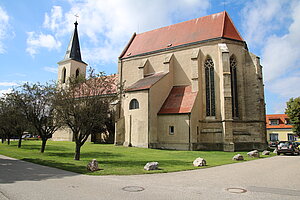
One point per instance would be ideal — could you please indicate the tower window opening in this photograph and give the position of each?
(77, 73)
(64, 71)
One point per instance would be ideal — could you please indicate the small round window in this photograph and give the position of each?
(134, 104)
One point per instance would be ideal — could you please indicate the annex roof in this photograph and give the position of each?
(282, 121)
(146, 83)
(180, 101)
(213, 26)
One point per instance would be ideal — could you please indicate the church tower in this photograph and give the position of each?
(72, 64)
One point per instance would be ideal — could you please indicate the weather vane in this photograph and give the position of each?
(77, 16)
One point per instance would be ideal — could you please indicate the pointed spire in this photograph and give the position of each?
(73, 51)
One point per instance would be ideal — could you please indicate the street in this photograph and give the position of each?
(271, 178)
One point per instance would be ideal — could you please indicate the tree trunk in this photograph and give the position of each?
(44, 140)
(20, 141)
(8, 140)
(3, 140)
(77, 152)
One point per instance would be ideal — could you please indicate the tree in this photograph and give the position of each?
(37, 102)
(4, 129)
(16, 118)
(84, 106)
(293, 112)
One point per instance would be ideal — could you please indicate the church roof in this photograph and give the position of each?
(100, 86)
(197, 30)
(146, 83)
(73, 51)
(180, 101)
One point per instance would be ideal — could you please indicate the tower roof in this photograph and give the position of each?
(73, 51)
(215, 26)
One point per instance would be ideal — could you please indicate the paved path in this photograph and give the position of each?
(271, 178)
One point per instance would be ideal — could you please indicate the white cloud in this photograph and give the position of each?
(51, 69)
(273, 27)
(3, 92)
(4, 28)
(8, 84)
(51, 21)
(280, 54)
(36, 41)
(261, 18)
(108, 25)
(286, 87)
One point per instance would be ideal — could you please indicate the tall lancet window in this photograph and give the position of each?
(210, 87)
(77, 73)
(234, 91)
(64, 71)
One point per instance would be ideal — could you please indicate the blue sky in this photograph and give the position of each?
(34, 35)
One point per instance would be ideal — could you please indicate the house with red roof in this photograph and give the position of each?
(191, 86)
(279, 128)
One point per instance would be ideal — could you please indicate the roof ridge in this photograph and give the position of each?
(223, 25)
(237, 31)
(179, 23)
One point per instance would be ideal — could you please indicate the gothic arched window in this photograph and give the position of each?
(134, 104)
(77, 73)
(64, 72)
(234, 91)
(210, 87)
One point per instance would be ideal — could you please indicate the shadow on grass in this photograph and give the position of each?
(91, 155)
(38, 147)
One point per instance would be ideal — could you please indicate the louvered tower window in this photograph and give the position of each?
(77, 73)
(64, 71)
(210, 87)
(234, 91)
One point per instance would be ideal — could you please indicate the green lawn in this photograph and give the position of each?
(114, 160)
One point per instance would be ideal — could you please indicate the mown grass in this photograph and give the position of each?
(114, 160)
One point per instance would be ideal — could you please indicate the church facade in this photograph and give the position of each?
(191, 86)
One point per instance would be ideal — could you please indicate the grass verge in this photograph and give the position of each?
(115, 160)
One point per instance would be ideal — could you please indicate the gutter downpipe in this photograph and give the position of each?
(189, 131)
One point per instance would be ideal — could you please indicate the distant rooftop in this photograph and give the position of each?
(283, 121)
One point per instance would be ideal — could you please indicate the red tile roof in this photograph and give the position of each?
(146, 83)
(281, 119)
(214, 26)
(180, 100)
(100, 86)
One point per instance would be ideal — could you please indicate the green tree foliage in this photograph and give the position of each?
(293, 112)
(4, 128)
(37, 102)
(13, 119)
(84, 106)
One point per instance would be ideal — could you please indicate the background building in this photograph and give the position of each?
(279, 128)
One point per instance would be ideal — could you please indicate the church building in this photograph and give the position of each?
(190, 86)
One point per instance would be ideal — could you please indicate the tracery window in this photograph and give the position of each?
(64, 71)
(210, 87)
(234, 91)
(134, 104)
